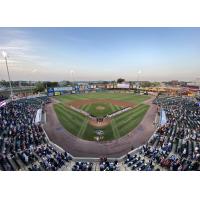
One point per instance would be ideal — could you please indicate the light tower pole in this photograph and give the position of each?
(138, 79)
(4, 54)
(72, 72)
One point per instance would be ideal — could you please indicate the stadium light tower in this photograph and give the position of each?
(72, 72)
(4, 54)
(138, 78)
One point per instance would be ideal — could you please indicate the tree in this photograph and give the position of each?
(155, 84)
(4, 83)
(149, 84)
(51, 84)
(39, 87)
(120, 80)
(64, 83)
(145, 84)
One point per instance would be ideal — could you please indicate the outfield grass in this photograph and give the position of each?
(71, 120)
(78, 125)
(127, 121)
(104, 95)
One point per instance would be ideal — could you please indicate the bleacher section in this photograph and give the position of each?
(175, 145)
(23, 144)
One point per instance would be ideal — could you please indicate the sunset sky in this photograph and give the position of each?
(101, 53)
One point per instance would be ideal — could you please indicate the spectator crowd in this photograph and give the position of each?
(174, 146)
(23, 144)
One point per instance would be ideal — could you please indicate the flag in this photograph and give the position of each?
(2, 103)
(163, 118)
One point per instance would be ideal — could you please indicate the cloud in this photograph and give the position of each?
(22, 52)
(34, 70)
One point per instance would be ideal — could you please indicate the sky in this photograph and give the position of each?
(74, 54)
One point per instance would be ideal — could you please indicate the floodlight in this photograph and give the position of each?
(4, 54)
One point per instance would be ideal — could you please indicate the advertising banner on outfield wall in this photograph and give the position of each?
(123, 85)
(92, 86)
(57, 93)
(62, 89)
(77, 87)
(87, 87)
(50, 92)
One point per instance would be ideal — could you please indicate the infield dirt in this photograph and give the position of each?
(79, 103)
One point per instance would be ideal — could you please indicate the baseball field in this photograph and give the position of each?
(100, 105)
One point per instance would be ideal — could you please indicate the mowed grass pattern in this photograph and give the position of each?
(78, 125)
(129, 120)
(103, 95)
(71, 120)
